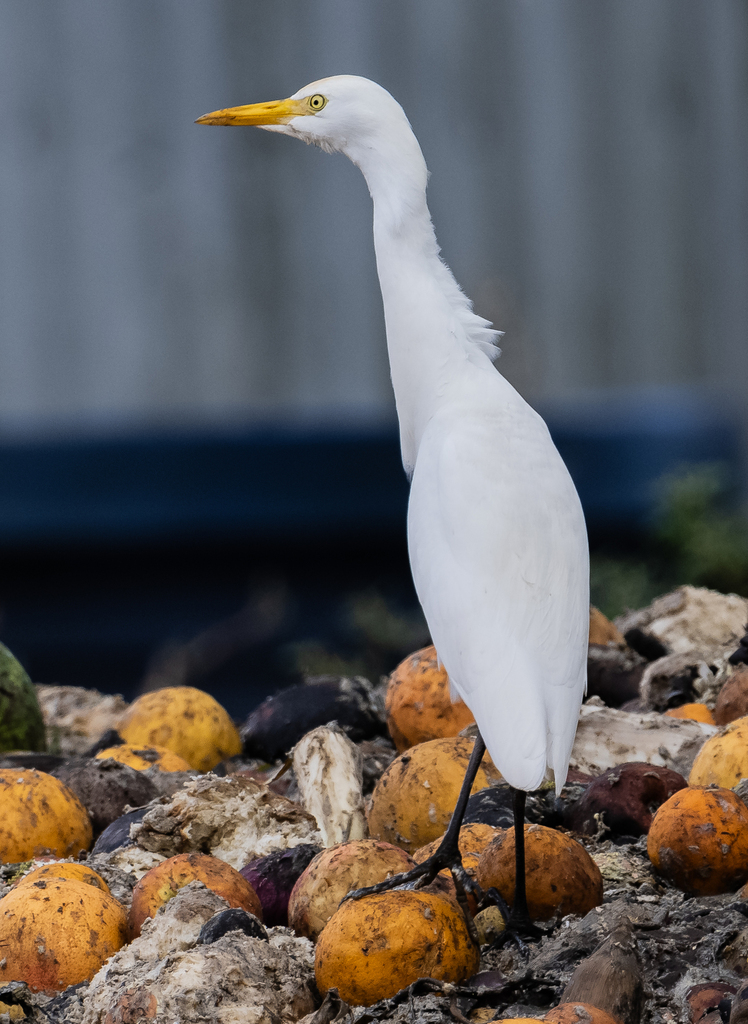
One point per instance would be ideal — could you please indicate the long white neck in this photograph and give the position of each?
(432, 333)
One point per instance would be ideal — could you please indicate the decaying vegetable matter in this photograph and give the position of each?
(636, 874)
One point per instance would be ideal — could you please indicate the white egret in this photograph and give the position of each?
(496, 534)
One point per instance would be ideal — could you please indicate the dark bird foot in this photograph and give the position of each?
(519, 928)
(447, 856)
(424, 874)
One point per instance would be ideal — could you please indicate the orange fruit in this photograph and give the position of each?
(335, 872)
(143, 758)
(164, 881)
(698, 840)
(56, 870)
(373, 947)
(473, 840)
(418, 703)
(723, 759)
(414, 799)
(560, 876)
(40, 815)
(188, 721)
(578, 1013)
(57, 932)
(696, 712)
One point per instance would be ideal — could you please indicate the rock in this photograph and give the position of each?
(105, 788)
(732, 700)
(607, 737)
(624, 798)
(21, 722)
(328, 768)
(232, 818)
(75, 718)
(280, 721)
(692, 618)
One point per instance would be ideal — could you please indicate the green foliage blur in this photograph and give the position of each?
(696, 537)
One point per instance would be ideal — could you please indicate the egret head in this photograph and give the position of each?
(344, 114)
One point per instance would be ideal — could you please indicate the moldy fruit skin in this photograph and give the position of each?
(58, 932)
(54, 871)
(723, 759)
(578, 1013)
(335, 872)
(413, 801)
(21, 722)
(164, 881)
(626, 796)
(40, 815)
(186, 720)
(699, 841)
(561, 876)
(142, 758)
(418, 704)
(472, 841)
(376, 946)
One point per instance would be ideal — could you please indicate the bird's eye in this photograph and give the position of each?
(317, 102)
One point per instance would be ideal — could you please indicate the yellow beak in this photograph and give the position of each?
(272, 112)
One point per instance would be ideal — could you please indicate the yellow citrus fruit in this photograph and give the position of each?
(413, 801)
(188, 721)
(373, 947)
(40, 815)
(56, 870)
(723, 760)
(143, 758)
(58, 932)
(419, 705)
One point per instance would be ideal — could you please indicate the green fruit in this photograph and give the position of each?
(21, 722)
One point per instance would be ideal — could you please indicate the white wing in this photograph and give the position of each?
(498, 549)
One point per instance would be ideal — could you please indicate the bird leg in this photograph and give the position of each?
(518, 923)
(448, 853)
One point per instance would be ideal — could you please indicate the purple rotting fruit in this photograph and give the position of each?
(626, 798)
(274, 727)
(273, 877)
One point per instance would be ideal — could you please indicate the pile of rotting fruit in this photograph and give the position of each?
(166, 866)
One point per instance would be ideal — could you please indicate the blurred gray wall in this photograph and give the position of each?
(588, 186)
